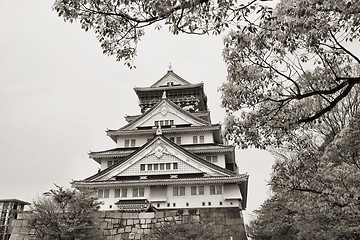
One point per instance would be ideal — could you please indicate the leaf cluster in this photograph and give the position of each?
(65, 214)
(120, 24)
(288, 68)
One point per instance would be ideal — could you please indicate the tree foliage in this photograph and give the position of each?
(65, 214)
(319, 187)
(120, 24)
(290, 68)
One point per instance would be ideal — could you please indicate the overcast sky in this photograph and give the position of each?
(59, 93)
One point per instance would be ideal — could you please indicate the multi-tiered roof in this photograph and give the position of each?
(172, 144)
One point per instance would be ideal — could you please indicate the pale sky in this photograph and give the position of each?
(59, 93)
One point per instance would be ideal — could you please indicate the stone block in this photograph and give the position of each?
(130, 215)
(148, 220)
(159, 215)
(142, 221)
(136, 221)
(132, 235)
(146, 215)
(138, 236)
(129, 222)
(128, 229)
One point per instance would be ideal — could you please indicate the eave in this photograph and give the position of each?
(243, 178)
(115, 133)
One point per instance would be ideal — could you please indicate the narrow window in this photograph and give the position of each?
(135, 192)
(187, 204)
(212, 190)
(172, 139)
(133, 141)
(195, 139)
(100, 193)
(220, 203)
(201, 190)
(175, 166)
(117, 193)
(175, 191)
(193, 190)
(208, 158)
(156, 123)
(156, 166)
(162, 165)
(174, 204)
(142, 167)
(110, 163)
(127, 142)
(215, 159)
(182, 191)
(172, 122)
(141, 192)
(166, 122)
(106, 193)
(203, 203)
(158, 205)
(124, 192)
(178, 140)
(168, 204)
(202, 139)
(149, 167)
(218, 189)
(168, 166)
(209, 203)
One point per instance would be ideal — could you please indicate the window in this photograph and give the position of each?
(149, 167)
(130, 142)
(164, 123)
(103, 193)
(212, 159)
(201, 190)
(168, 166)
(174, 204)
(175, 166)
(117, 193)
(179, 191)
(124, 192)
(215, 189)
(178, 140)
(110, 163)
(187, 204)
(156, 166)
(193, 190)
(138, 192)
(172, 139)
(162, 166)
(197, 190)
(198, 139)
(209, 203)
(120, 193)
(142, 167)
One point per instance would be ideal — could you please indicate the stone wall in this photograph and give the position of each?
(117, 225)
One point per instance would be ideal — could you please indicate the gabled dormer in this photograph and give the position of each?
(161, 158)
(165, 114)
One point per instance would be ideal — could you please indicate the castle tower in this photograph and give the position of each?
(168, 157)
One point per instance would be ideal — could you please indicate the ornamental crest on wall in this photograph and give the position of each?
(159, 149)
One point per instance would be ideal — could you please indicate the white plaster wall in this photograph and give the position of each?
(195, 201)
(221, 158)
(186, 138)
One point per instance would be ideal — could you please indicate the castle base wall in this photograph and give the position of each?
(228, 222)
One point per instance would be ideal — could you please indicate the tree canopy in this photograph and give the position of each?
(65, 214)
(316, 190)
(287, 67)
(290, 69)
